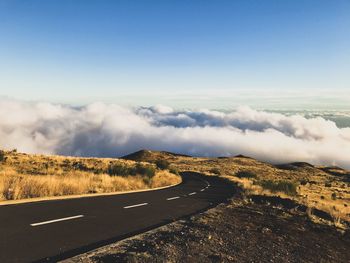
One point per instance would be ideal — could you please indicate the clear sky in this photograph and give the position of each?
(176, 52)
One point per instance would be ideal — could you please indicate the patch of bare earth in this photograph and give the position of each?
(239, 231)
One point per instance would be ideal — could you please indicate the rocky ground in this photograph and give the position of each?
(246, 229)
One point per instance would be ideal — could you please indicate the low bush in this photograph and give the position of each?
(119, 169)
(2, 156)
(145, 169)
(174, 171)
(80, 166)
(162, 164)
(328, 184)
(245, 174)
(303, 181)
(287, 187)
(125, 170)
(334, 196)
(215, 171)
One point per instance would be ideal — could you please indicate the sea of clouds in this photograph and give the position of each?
(109, 130)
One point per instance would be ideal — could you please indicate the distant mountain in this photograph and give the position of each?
(152, 156)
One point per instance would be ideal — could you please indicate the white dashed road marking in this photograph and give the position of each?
(56, 220)
(192, 193)
(132, 206)
(173, 198)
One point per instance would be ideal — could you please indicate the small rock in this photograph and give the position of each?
(265, 230)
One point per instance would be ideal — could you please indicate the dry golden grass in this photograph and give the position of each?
(25, 176)
(164, 178)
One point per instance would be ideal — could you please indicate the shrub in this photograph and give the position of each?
(303, 181)
(174, 171)
(147, 170)
(334, 196)
(125, 170)
(162, 164)
(80, 166)
(287, 187)
(245, 174)
(215, 171)
(119, 169)
(2, 156)
(328, 184)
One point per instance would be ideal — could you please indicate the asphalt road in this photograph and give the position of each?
(54, 230)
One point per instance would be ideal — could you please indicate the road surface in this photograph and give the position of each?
(54, 230)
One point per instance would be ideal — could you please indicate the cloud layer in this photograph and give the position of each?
(110, 130)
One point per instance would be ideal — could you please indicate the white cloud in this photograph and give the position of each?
(102, 129)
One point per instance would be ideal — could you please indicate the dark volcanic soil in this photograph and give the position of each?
(239, 231)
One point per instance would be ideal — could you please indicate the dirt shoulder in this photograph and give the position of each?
(238, 231)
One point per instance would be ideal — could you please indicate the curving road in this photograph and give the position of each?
(54, 230)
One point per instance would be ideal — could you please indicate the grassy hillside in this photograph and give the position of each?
(29, 176)
(319, 188)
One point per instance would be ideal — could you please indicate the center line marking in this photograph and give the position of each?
(56, 220)
(131, 206)
(192, 193)
(173, 198)
(202, 189)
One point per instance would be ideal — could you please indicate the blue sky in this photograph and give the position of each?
(182, 53)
